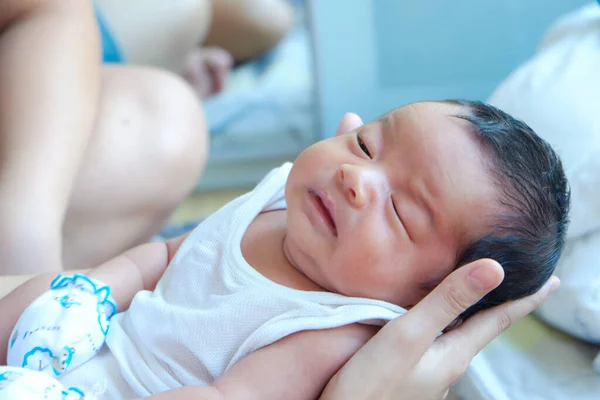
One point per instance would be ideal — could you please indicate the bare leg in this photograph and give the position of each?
(162, 32)
(247, 28)
(49, 86)
(170, 34)
(158, 32)
(147, 152)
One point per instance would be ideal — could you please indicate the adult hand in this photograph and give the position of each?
(408, 359)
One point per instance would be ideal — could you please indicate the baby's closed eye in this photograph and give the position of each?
(363, 146)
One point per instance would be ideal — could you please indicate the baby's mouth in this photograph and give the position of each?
(325, 211)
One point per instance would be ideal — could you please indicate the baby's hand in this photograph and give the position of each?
(63, 328)
(20, 383)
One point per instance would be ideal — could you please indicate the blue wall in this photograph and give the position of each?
(374, 55)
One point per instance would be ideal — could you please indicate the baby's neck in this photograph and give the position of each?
(262, 247)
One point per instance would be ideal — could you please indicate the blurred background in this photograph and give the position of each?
(372, 56)
(364, 56)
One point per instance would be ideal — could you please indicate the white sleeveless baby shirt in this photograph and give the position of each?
(211, 308)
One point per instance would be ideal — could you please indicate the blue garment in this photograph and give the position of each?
(110, 50)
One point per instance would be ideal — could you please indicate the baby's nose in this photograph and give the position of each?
(359, 184)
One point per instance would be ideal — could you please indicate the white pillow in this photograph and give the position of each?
(557, 93)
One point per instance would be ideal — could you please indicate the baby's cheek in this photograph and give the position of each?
(365, 268)
(360, 257)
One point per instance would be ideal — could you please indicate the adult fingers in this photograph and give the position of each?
(473, 335)
(460, 290)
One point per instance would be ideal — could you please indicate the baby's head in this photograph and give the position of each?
(528, 233)
(389, 209)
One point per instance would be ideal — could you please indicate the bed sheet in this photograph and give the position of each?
(532, 361)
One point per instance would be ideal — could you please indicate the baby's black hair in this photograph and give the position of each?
(527, 239)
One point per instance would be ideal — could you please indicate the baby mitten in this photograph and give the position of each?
(20, 383)
(64, 327)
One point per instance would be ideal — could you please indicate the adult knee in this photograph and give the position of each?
(145, 156)
(180, 138)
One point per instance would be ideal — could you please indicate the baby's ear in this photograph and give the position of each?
(349, 122)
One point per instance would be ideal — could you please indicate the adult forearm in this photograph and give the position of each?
(247, 28)
(49, 87)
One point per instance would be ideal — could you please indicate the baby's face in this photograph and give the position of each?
(383, 211)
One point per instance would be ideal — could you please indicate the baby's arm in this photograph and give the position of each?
(296, 367)
(137, 269)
